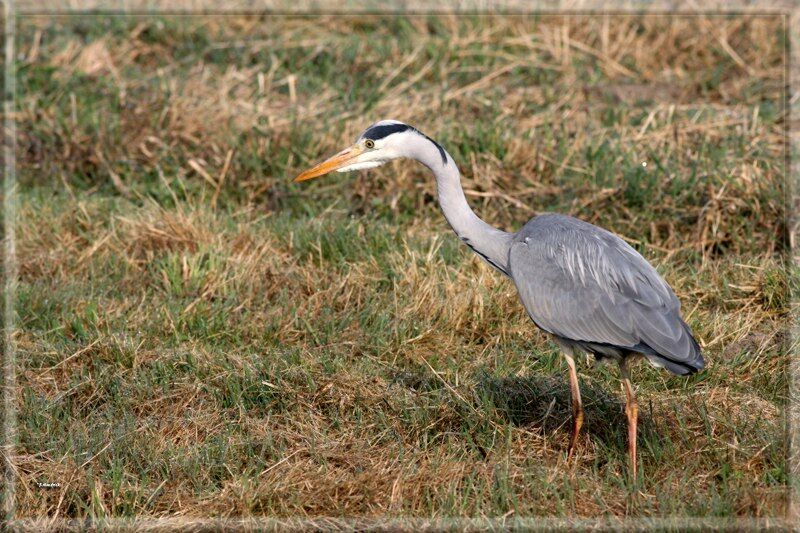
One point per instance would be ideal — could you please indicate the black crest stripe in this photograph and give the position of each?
(379, 132)
(437, 145)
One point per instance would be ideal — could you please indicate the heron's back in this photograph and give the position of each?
(592, 290)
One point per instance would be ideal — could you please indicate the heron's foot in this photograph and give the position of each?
(577, 423)
(571, 452)
(632, 412)
(577, 405)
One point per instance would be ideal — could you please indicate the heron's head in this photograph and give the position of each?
(381, 142)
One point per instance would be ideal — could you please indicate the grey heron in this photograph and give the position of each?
(578, 282)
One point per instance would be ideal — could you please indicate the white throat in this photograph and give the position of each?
(488, 242)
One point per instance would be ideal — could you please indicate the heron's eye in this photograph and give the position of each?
(369, 143)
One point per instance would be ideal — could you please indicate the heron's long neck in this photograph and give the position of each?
(490, 243)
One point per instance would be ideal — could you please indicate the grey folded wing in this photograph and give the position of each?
(585, 284)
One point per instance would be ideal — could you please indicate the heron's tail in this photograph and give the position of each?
(697, 363)
(683, 364)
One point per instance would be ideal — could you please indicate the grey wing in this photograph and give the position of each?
(585, 284)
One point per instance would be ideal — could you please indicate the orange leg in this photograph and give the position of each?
(632, 412)
(577, 405)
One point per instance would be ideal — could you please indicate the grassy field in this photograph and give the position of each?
(201, 337)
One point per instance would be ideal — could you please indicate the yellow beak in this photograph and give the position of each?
(329, 165)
